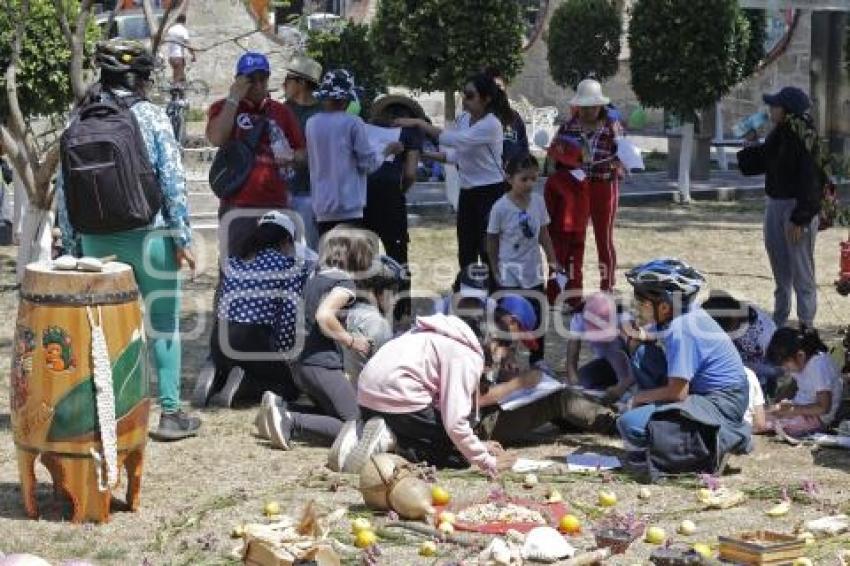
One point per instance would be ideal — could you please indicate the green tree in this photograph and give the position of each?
(685, 56)
(43, 81)
(437, 44)
(584, 40)
(349, 46)
(754, 48)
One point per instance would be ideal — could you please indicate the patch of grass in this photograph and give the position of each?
(171, 529)
(196, 115)
(112, 553)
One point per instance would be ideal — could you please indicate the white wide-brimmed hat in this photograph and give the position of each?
(589, 93)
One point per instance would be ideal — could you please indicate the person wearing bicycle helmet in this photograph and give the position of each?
(157, 251)
(706, 383)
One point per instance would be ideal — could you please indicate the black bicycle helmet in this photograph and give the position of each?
(665, 278)
(123, 56)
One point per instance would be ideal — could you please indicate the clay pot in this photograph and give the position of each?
(389, 482)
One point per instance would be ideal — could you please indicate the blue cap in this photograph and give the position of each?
(790, 98)
(520, 308)
(251, 62)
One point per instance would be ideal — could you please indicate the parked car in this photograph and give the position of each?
(128, 24)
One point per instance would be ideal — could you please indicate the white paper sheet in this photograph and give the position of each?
(526, 465)
(629, 155)
(523, 397)
(380, 138)
(591, 462)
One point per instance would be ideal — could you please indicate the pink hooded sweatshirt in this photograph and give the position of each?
(438, 363)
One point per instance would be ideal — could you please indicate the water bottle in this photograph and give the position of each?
(282, 152)
(751, 123)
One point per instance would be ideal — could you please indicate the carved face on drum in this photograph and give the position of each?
(58, 355)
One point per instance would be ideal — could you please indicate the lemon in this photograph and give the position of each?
(644, 493)
(365, 539)
(446, 517)
(439, 495)
(238, 531)
(530, 481)
(428, 548)
(703, 550)
(360, 524)
(607, 498)
(779, 509)
(446, 529)
(655, 535)
(704, 495)
(555, 496)
(687, 528)
(570, 524)
(808, 537)
(271, 508)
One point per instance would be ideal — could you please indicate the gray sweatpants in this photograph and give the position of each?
(793, 265)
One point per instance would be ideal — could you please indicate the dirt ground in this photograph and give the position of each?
(194, 492)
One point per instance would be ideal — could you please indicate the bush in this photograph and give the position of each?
(686, 54)
(584, 41)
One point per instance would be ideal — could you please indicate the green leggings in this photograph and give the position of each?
(160, 278)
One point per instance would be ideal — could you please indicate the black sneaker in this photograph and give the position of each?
(176, 425)
(224, 398)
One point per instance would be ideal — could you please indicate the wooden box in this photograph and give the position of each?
(761, 547)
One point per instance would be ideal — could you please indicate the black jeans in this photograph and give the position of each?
(386, 215)
(421, 437)
(260, 375)
(473, 213)
(325, 227)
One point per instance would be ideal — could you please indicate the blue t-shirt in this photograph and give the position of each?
(699, 351)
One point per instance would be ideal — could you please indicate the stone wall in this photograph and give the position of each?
(215, 23)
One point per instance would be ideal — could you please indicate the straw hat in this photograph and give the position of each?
(589, 93)
(306, 68)
(380, 106)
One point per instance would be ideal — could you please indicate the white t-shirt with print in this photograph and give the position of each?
(820, 374)
(520, 263)
(756, 396)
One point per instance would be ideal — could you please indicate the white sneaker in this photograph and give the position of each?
(224, 398)
(375, 436)
(269, 399)
(344, 443)
(279, 424)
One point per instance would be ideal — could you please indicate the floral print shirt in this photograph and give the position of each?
(164, 153)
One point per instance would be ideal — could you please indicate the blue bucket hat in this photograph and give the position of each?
(337, 85)
(520, 308)
(252, 62)
(790, 98)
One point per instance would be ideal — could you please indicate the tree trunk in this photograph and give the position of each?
(449, 110)
(685, 155)
(36, 238)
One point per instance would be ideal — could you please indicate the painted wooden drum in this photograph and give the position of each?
(53, 394)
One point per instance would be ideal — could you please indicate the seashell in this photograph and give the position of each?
(23, 560)
(545, 544)
(65, 263)
(89, 264)
(497, 553)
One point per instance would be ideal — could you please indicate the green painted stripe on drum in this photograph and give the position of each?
(74, 455)
(75, 414)
(67, 300)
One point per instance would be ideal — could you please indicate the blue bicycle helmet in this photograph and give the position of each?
(665, 278)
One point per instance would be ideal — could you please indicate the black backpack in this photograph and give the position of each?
(110, 184)
(234, 161)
